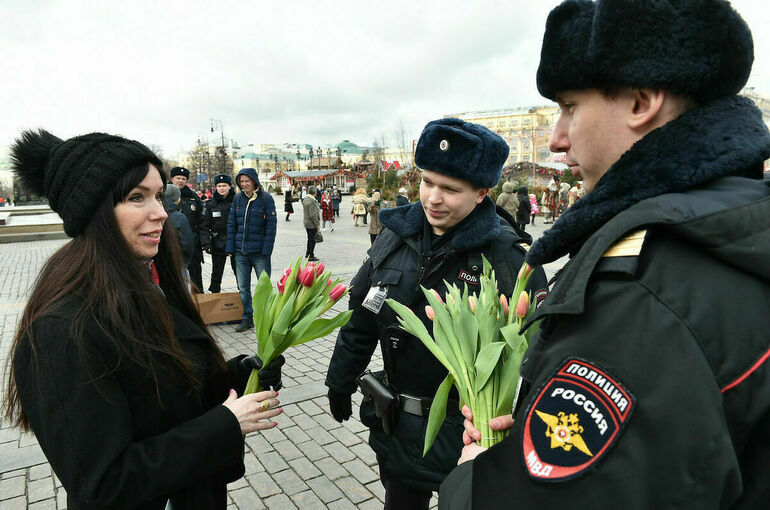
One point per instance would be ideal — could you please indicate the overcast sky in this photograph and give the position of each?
(294, 71)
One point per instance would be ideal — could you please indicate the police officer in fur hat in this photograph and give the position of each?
(440, 239)
(213, 231)
(192, 207)
(648, 383)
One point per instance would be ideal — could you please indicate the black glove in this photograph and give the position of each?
(269, 376)
(340, 405)
(207, 249)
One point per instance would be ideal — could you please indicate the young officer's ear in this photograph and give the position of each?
(646, 109)
(480, 194)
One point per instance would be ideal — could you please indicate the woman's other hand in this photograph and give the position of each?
(254, 411)
(472, 434)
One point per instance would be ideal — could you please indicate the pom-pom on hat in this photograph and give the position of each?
(223, 178)
(463, 150)
(700, 48)
(179, 170)
(76, 174)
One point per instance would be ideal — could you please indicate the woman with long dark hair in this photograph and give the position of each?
(112, 368)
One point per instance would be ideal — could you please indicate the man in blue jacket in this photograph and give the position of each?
(250, 236)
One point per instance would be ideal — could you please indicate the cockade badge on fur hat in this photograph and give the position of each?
(180, 170)
(701, 48)
(78, 174)
(463, 150)
(222, 178)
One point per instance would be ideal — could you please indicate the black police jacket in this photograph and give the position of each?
(399, 262)
(648, 385)
(192, 207)
(213, 227)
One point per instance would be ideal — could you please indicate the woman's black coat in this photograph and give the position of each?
(109, 440)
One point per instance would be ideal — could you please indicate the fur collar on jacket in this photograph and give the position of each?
(724, 137)
(409, 220)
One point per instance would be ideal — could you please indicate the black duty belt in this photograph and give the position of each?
(421, 406)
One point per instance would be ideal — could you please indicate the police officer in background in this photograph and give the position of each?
(213, 231)
(192, 207)
(441, 238)
(648, 384)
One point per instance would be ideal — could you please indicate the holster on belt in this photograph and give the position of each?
(385, 400)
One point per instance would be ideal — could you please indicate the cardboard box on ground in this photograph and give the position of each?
(224, 307)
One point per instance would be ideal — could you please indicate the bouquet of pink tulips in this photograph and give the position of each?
(289, 314)
(478, 340)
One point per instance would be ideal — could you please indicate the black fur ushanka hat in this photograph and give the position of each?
(700, 48)
(463, 150)
(76, 175)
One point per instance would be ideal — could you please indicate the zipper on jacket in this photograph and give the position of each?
(245, 216)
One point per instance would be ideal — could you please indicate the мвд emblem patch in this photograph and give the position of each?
(573, 421)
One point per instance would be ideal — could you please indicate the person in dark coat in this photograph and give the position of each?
(438, 240)
(251, 230)
(112, 368)
(172, 196)
(213, 232)
(288, 200)
(401, 198)
(192, 207)
(522, 214)
(336, 200)
(647, 384)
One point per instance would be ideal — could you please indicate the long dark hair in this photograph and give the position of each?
(114, 292)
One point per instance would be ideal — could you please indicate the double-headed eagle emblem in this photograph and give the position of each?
(564, 431)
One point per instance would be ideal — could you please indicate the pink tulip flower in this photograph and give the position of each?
(337, 292)
(320, 269)
(522, 306)
(429, 312)
(472, 303)
(504, 303)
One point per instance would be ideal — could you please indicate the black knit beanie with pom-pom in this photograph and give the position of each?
(76, 174)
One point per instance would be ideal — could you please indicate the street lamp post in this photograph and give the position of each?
(221, 147)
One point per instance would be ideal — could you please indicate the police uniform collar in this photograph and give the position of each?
(724, 137)
(481, 226)
(187, 192)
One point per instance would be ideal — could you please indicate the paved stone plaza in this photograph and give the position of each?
(309, 461)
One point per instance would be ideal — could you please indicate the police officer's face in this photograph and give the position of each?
(223, 188)
(140, 216)
(592, 131)
(447, 200)
(180, 181)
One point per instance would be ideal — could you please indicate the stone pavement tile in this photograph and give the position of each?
(304, 380)
(352, 489)
(364, 452)
(308, 501)
(355, 426)
(287, 450)
(246, 499)
(279, 502)
(342, 504)
(18, 503)
(283, 421)
(27, 440)
(434, 501)
(7, 435)
(310, 408)
(327, 421)
(39, 490)
(12, 487)
(14, 473)
(290, 482)
(304, 468)
(61, 499)
(48, 504)
(361, 471)
(312, 450)
(377, 489)
(346, 437)
(296, 435)
(331, 468)
(325, 489)
(258, 443)
(238, 484)
(371, 504)
(273, 462)
(273, 435)
(304, 421)
(339, 452)
(320, 435)
(39, 471)
(252, 464)
(263, 484)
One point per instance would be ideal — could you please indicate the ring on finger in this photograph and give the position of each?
(265, 405)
